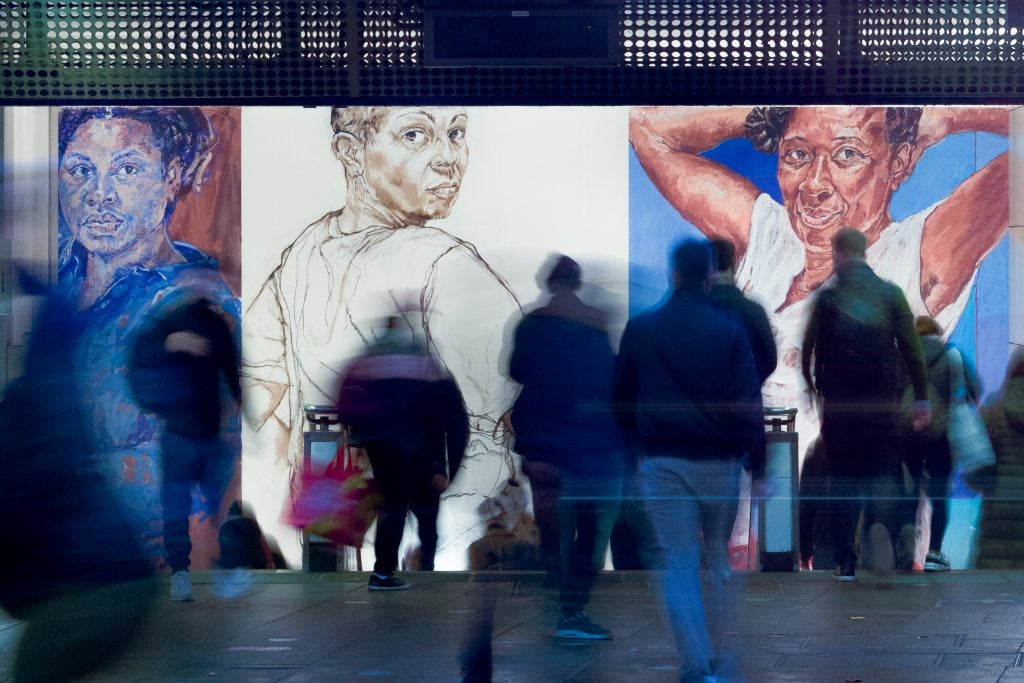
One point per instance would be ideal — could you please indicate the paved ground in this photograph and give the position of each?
(961, 626)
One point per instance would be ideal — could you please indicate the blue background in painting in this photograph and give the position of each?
(983, 330)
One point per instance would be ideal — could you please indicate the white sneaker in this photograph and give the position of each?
(181, 586)
(936, 562)
(232, 583)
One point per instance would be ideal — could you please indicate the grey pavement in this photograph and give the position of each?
(958, 626)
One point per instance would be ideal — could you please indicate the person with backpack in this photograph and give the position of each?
(859, 342)
(926, 452)
(401, 405)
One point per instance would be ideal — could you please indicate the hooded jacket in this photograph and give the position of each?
(397, 393)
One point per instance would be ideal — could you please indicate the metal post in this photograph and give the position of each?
(323, 428)
(778, 518)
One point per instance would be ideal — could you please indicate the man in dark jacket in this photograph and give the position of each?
(862, 341)
(405, 410)
(181, 360)
(689, 394)
(565, 431)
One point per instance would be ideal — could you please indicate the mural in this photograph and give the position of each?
(780, 182)
(927, 185)
(421, 228)
(450, 211)
(124, 175)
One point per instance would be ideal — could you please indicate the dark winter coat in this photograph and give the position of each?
(686, 382)
(182, 388)
(564, 361)
(862, 339)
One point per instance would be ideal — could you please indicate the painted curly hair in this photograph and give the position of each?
(764, 126)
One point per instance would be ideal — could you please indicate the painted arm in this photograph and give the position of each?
(468, 305)
(264, 375)
(668, 142)
(960, 232)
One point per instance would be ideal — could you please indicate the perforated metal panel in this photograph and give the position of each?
(752, 34)
(315, 51)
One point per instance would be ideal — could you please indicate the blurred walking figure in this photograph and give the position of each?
(73, 566)
(927, 454)
(184, 368)
(862, 341)
(688, 390)
(565, 431)
(1001, 542)
(405, 410)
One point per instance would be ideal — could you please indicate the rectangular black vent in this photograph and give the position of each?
(548, 35)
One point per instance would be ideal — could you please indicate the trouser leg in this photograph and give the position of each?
(940, 468)
(545, 484)
(179, 475)
(676, 490)
(425, 506)
(393, 506)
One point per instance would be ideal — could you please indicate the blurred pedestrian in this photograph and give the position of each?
(184, 368)
(688, 389)
(74, 568)
(401, 406)
(565, 431)
(862, 342)
(927, 453)
(1001, 541)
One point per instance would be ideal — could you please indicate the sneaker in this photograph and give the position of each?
(882, 560)
(386, 583)
(844, 573)
(580, 626)
(232, 583)
(181, 586)
(936, 562)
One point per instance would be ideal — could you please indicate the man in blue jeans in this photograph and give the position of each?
(569, 440)
(689, 395)
(181, 360)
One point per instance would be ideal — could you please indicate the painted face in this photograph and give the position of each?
(414, 164)
(113, 187)
(835, 171)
